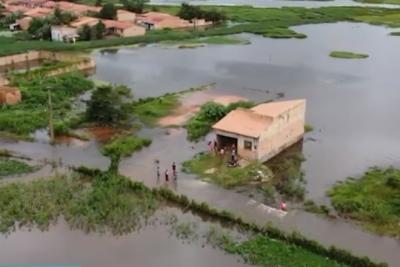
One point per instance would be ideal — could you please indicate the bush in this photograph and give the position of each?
(108, 11)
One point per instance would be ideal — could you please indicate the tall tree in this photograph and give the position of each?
(136, 6)
(108, 11)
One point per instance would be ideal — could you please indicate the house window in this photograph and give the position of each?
(248, 145)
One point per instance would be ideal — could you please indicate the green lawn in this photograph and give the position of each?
(347, 55)
(373, 200)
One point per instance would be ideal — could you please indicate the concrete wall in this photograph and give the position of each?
(81, 63)
(286, 130)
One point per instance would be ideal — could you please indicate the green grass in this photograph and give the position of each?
(13, 167)
(373, 200)
(392, 2)
(347, 55)
(271, 22)
(391, 20)
(150, 110)
(125, 145)
(31, 113)
(261, 250)
(225, 176)
(96, 202)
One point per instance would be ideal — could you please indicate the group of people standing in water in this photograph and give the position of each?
(167, 174)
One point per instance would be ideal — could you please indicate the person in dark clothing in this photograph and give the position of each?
(174, 170)
(166, 176)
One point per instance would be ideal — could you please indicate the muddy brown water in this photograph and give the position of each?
(352, 105)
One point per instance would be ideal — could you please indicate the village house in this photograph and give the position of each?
(158, 21)
(64, 34)
(263, 131)
(123, 15)
(123, 28)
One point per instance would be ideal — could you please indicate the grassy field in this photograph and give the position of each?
(347, 55)
(13, 167)
(373, 200)
(270, 22)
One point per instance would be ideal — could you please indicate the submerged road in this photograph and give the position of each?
(172, 146)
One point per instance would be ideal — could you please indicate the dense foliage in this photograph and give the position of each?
(108, 104)
(190, 12)
(31, 114)
(40, 28)
(95, 202)
(373, 200)
(108, 11)
(62, 17)
(136, 6)
(96, 32)
(200, 124)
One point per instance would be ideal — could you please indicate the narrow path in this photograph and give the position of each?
(173, 147)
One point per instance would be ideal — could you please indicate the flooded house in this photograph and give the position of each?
(263, 131)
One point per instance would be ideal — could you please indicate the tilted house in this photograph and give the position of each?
(263, 131)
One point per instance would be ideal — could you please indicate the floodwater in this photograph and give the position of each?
(352, 105)
(271, 3)
(151, 246)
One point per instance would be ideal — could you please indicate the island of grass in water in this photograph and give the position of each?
(347, 55)
(373, 200)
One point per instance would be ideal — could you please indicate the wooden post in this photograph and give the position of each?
(51, 128)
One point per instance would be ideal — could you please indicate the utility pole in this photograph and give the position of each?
(51, 128)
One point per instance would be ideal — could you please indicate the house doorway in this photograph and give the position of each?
(226, 142)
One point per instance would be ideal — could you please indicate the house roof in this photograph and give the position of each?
(243, 122)
(38, 12)
(84, 21)
(122, 25)
(274, 109)
(76, 8)
(252, 122)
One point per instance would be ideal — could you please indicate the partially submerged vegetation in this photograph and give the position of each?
(13, 167)
(151, 109)
(395, 33)
(392, 2)
(91, 200)
(32, 113)
(272, 22)
(123, 146)
(372, 200)
(347, 55)
(280, 177)
(200, 124)
(214, 168)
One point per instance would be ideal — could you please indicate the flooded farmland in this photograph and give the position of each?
(351, 105)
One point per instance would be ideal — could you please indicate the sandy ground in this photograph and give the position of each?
(190, 104)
